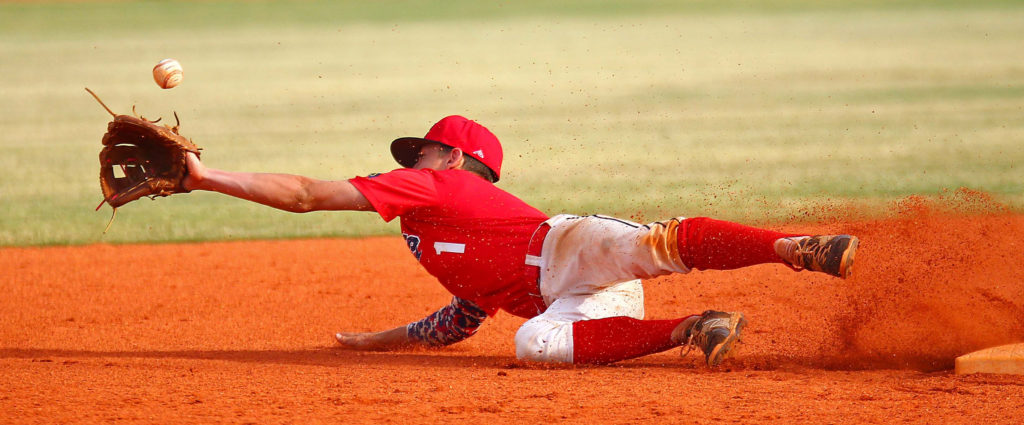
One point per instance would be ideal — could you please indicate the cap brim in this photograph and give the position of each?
(406, 150)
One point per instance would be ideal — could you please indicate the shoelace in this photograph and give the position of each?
(696, 338)
(818, 254)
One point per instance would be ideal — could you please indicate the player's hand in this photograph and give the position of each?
(357, 341)
(374, 341)
(196, 172)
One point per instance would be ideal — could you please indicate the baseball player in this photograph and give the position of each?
(576, 279)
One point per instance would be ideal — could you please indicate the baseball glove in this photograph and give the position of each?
(141, 158)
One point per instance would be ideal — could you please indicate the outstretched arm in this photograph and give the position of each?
(452, 323)
(282, 191)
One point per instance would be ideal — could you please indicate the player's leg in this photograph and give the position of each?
(549, 337)
(613, 250)
(709, 244)
(583, 255)
(620, 338)
(607, 327)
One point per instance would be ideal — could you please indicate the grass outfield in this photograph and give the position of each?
(645, 109)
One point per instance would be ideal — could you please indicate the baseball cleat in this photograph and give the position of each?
(832, 254)
(715, 333)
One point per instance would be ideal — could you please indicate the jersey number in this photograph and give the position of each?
(455, 248)
(413, 242)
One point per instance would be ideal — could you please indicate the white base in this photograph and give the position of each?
(1007, 359)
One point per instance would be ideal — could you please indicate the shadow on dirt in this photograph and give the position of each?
(313, 356)
(334, 357)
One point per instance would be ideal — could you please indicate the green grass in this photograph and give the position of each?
(747, 110)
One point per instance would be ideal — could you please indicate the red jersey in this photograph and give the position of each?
(469, 234)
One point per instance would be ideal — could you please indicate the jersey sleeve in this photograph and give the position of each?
(397, 192)
(452, 323)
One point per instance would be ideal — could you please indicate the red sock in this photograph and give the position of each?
(612, 339)
(709, 244)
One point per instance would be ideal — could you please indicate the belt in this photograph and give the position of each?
(533, 251)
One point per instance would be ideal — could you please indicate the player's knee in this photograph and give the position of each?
(544, 340)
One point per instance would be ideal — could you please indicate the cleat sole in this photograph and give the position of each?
(846, 264)
(723, 349)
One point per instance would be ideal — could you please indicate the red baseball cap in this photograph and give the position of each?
(453, 131)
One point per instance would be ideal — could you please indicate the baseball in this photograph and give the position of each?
(168, 73)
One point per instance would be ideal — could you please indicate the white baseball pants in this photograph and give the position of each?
(591, 269)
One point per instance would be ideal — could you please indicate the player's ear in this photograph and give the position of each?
(455, 159)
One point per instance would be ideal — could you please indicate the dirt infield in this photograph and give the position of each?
(240, 332)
